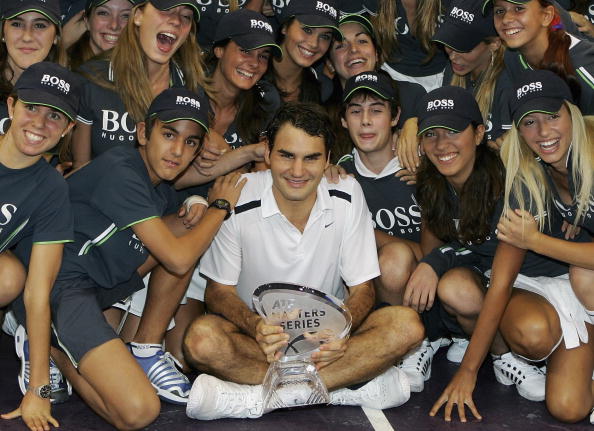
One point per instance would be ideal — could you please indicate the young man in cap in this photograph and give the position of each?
(118, 200)
(292, 225)
(370, 113)
(35, 221)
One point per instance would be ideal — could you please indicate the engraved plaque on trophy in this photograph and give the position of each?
(311, 318)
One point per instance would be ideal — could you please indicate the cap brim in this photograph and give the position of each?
(365, 87)
(176, 3)
(36, 97)
(10, 14)
(486, 3)
(317, 21)
(547, 105)
(178, 115)
(446, 121)
(457, 38)
(258, 40)
(358, 19)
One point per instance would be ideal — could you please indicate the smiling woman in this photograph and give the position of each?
(30, 33)
(104, 20)
(156, 50)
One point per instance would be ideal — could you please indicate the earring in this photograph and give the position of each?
(3, 40)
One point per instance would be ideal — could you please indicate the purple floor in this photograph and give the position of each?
(502, 408)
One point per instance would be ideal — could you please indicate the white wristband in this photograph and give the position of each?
(194, 199)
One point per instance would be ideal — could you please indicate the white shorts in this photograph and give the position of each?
(572, 313)
(429, 82)
(135, 303)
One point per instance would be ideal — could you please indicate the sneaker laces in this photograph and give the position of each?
(166, 365)
(240, 398)
(418, 358)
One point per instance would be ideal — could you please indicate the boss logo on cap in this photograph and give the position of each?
(325, 7)
(366, 77)
(258, 23)
(184, 100)
(54, 81)
(440, 104)
(528, 88)
(462, 15)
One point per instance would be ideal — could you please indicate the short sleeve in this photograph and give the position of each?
(358, 254)
(54, 221)
(124, 196)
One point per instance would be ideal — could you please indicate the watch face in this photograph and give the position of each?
(222, 203)
(45, 391)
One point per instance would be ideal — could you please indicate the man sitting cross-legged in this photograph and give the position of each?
(291, 225)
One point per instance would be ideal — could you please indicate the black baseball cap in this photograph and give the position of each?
(48, 8)
(379, 83)
(450, 107)
(90, 4)
(359, 19)
(249, 29)
(465, 26)
(486, 2)
(49, 84)
(178, 103)
(170, 4)
(538, 91)
(313, 13)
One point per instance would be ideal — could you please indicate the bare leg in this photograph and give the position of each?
(462, 293)
(184, 317)
(397, 261)
(569, 395)
(530, 325)
(12, 278)
(216, 346)
(121, 394)
(582, 283)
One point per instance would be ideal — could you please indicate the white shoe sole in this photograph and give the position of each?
(19, 345)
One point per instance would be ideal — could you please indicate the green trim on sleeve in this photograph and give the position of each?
(61, 241)
(139, 221)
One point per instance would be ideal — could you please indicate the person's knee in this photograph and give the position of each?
(582, 283)
(139, 411)
(12, 280)
(567, 405)
(397, 261)
(459, 291)
(530, 335)
(201, 341)
(406, 329)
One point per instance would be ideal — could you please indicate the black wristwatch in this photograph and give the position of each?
(222, 204)
(43, 391)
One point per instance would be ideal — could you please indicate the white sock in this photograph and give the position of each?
(145, 350)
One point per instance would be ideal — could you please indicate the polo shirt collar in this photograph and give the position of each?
(270, 207)
(391, 168)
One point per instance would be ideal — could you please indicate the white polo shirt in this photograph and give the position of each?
(258, 245)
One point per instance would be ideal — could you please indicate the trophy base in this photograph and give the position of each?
(292, 384)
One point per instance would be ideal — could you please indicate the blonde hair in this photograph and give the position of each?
(526, 174)
(425, 25)
(130, 70)
(487, 82)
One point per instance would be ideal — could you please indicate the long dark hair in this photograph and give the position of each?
(252, 109)
(477, 201)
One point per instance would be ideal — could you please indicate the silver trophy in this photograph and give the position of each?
(311, 318)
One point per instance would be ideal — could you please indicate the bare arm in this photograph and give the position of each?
(506, 265)
(81, 144)
(519, 229)
(178, 254)
(255, 5)
(428, 239)
(223, 299)
(360, 301)
(228, 162)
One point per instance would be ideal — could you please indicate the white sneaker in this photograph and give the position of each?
(417, 363)
(212, 398)
(385, 391)
(529, 379)
(592, 417)
(10, 325)
(457, 349)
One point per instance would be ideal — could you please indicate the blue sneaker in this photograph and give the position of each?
(61, 388)
(162, 370)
